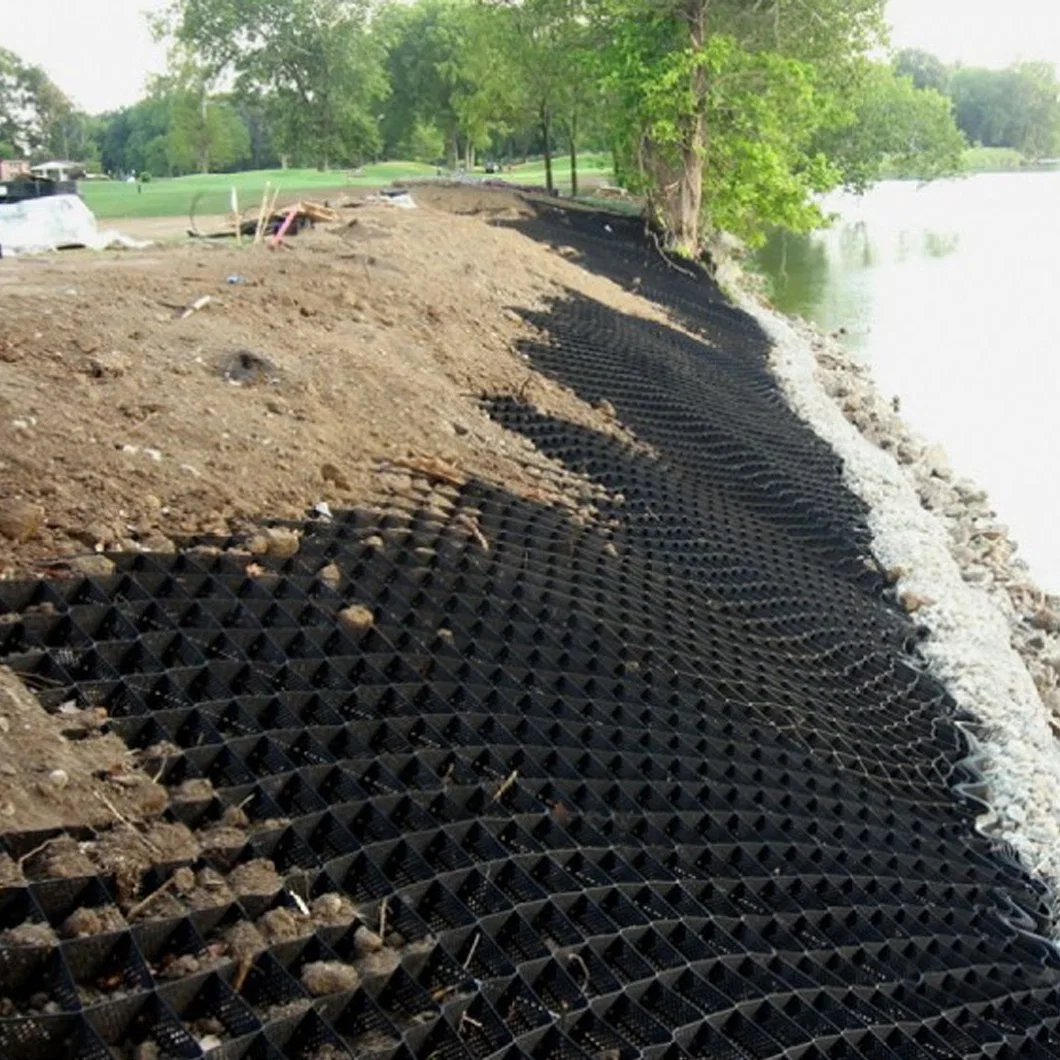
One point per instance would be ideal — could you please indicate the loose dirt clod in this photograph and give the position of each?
(277, 542)
(92, 920)
(257, 878)
(366, 941)
(330, 575)
(322, 978)
(284, 925)
(20, 520)
(61, 858)
(335, 475)
(92, 566)
(332, 908)
(32, 935)
(244, 941)
(197, 789)
(356, 619)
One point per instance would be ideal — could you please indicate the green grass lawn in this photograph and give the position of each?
(173, 197)
(991, 159)
(594, 166)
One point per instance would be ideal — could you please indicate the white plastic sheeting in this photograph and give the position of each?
(35, 226)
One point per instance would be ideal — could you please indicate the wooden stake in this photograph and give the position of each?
(272, 208)
(237, 218)
(262, 214)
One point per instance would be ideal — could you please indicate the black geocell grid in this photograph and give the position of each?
(737, 827)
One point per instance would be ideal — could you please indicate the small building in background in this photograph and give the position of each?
(60, 171)
(13, 168)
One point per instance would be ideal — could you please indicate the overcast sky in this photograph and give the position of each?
(100, 51)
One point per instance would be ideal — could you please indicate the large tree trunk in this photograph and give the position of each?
(678, 199)
(677, 177)
(546, 133)
(204, 154)
(574, 153)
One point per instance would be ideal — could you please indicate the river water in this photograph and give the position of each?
(951, 292)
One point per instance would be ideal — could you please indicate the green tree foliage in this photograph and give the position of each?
(204, 134)
(890, 124)
(36, 119)
(549, 56)
(731, 97)
(424, 142)
(449, 67)
(1018, 107)
(315, 62)
(923, 69)
(135, 139)
(724, 113)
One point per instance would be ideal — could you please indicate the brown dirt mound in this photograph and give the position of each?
(48, 781)
(339, 369)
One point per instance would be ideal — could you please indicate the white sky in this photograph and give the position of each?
(100, 51)
(977, 32)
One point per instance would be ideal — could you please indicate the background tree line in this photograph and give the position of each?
(1018, 107)
(722, 113)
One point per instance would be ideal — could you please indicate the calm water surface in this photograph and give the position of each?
(951, 291)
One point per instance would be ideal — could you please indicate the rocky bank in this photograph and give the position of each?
(993, 636)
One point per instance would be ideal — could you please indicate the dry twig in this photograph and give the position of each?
(506, 786)
(471, 952)
(151, 898)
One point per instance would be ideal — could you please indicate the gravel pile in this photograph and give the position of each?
(994, 634)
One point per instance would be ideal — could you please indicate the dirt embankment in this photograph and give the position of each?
(326, 371)
(150, 396)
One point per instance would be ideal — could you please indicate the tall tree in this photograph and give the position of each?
(35, 116)
(450, 71)
(205, 134)
(1018, 107)
(549, 39)
(923, 69)
(204, 131)
(893, 124)
(316, 61)
(731, 98)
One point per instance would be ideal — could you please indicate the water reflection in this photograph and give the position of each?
(949, 291)
(937, 245)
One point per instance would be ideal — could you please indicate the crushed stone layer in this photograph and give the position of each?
(992, 632)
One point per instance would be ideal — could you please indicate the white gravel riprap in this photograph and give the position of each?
(954, 568)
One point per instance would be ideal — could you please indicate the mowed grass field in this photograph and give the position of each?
(593, 168)
(173, 197)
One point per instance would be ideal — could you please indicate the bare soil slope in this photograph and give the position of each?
(337, 369)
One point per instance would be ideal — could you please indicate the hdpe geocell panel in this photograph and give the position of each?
(665, 781)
